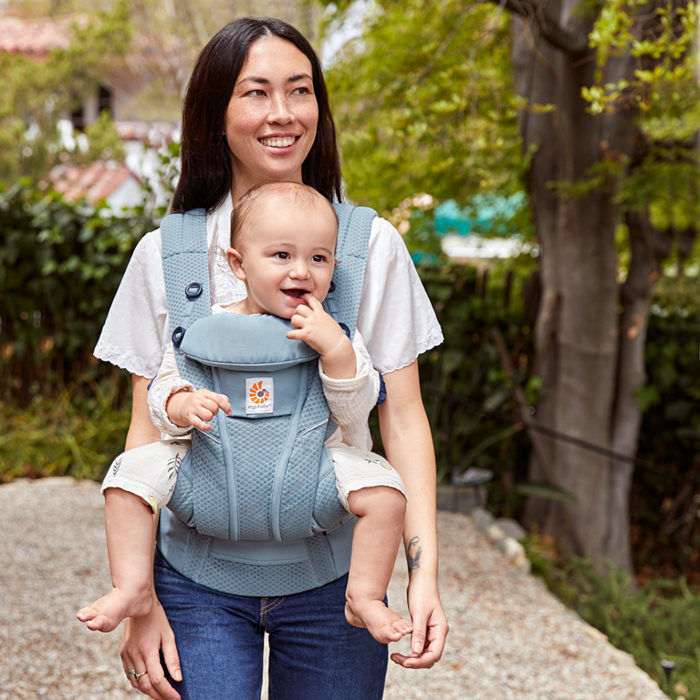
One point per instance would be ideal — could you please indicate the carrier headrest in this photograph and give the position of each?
(258, 343)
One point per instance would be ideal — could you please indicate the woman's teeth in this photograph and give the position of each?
(278, 143)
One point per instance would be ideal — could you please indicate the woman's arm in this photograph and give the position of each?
(141, 429)
(144, 637)
(409, 448)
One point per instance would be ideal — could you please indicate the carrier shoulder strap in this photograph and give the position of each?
(343, 299)
(186, 273)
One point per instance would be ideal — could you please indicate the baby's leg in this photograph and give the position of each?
(130, 525)
(376, 539)
(137, 485)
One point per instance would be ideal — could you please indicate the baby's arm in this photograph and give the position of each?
(351, 400)
(317, 329)
(350, 396)
(174, 404)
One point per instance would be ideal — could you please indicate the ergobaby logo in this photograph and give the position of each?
(260, 395)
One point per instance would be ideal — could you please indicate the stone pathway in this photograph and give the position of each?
(509, 638)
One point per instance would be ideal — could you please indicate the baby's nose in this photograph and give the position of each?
(300, 271)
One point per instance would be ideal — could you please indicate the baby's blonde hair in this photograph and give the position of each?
(299, 195)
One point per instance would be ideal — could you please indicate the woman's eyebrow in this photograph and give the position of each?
(265, 81)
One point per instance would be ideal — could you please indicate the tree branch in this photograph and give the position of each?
(570, 41)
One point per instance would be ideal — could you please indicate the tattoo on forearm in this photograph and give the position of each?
(413, 553)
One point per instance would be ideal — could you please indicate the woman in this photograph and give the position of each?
(257, 110)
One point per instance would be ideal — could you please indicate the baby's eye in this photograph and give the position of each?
(282, 255)
(319, 258)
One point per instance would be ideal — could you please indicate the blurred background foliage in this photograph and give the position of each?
(36, 92)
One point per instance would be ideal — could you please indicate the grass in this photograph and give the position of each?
(659, 621)
(77, 434)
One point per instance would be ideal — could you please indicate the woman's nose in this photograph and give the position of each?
(279, 111)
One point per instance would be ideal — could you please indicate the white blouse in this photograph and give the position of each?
(396, 319)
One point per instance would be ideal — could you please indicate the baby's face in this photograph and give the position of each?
(281, 256)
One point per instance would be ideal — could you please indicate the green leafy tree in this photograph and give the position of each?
(423, 104)
(606, 105)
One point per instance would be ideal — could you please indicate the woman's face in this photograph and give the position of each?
(271, 119)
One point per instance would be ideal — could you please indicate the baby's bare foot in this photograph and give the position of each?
(382, 623)
(105, 614)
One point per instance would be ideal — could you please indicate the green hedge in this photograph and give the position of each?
(60, 266)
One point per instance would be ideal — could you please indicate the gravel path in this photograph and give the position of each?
(509, 637)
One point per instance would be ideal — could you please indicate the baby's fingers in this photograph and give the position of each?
(223, 403)
(198, 423)
(311, 300)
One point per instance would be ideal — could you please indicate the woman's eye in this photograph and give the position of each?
(256, 93)
(302, 91)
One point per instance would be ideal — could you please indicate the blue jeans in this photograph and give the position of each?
(314, 653)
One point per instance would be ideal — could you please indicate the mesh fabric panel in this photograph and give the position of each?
(257, 446)
(321, 557)
(182, 502)
(328, 511)
(251, 580)
(197, 555)
(210, 487)
(301, 474)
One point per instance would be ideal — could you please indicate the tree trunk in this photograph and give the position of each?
(576, 335)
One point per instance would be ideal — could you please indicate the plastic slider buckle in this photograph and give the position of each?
(346, 330)
(193, 291)
(178, 335)
(331, 288)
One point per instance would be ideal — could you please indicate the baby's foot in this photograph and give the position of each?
(382, 623)
(105, 614)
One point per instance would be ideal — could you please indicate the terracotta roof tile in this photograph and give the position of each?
(34, 37)
(94, 182)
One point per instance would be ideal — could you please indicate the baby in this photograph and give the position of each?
(283, 239)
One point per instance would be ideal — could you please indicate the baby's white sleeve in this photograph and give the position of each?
(166, 383)
(351, 400)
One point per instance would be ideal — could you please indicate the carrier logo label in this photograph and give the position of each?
(260, 395)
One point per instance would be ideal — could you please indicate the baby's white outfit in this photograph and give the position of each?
(150, 471)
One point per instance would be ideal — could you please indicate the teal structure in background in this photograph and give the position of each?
(489, 218)
(487, 214)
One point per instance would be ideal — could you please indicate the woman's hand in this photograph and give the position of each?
(429, 625)
(143, 638)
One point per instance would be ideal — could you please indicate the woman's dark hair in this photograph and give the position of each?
(206, 176)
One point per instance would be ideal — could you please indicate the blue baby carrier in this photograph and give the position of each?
(255, 510)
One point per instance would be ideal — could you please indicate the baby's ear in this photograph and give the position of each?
(235, 262)
(335, 262)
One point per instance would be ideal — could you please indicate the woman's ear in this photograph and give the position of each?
(235, 262)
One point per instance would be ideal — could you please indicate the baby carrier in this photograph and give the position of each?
(255, 510)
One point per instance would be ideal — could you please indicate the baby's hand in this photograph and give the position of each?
(317, 329)
(187, 408)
